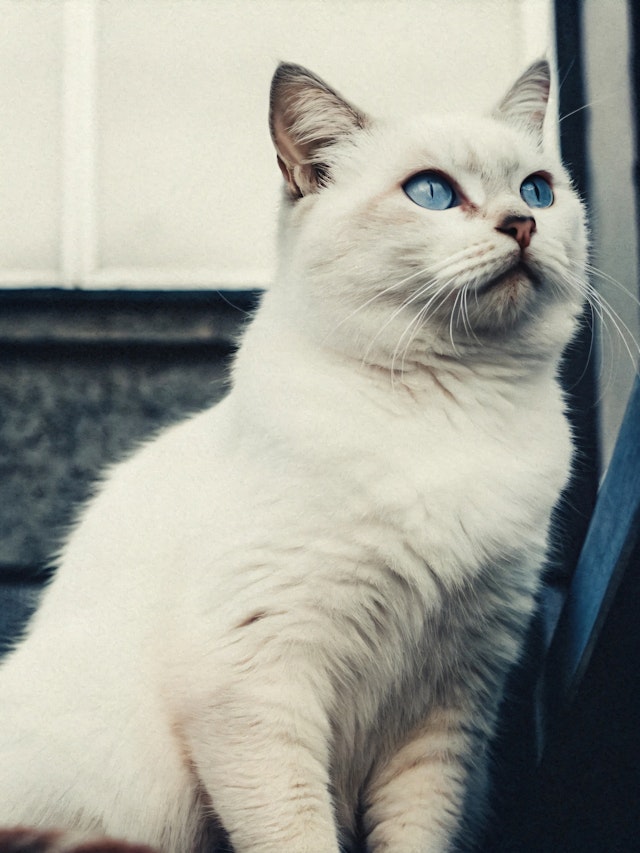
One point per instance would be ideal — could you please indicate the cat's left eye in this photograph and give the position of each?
(430, 190)
(536, 191)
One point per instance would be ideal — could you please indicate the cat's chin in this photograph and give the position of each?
(503, 301)
(511, 282)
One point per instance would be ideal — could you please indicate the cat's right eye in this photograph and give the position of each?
(431, 190)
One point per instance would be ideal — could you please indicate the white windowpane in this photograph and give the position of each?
(30, 131)
(159, 126)
(185, 169)
(187, 179)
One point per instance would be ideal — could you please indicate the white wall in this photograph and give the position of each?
(134, 148)
(31, 46)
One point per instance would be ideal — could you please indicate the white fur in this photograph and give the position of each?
(305, 600)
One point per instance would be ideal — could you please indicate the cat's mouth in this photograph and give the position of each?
(516, 276)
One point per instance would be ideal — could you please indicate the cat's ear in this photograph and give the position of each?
(306, 117)
(525, 104)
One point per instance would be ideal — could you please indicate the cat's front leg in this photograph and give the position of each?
(261, 754)
(414, 801)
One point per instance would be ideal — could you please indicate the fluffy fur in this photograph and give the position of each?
(290, 618)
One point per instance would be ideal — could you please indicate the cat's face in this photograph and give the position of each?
(444, 234)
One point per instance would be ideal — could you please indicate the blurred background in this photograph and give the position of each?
(138, 199)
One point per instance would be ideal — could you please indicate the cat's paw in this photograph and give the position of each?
(23, 840)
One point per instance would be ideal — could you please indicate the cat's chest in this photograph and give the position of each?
(456, 485)
(458, 515)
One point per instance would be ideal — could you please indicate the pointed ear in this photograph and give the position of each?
(525, 104)
(306, 117)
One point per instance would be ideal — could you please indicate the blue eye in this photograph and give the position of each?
(536, 191)
(431, 191)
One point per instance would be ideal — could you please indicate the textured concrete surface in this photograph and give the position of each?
(81, 382)
(83, 379)
(67, 414)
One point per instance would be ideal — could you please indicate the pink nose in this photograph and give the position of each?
(519, 227)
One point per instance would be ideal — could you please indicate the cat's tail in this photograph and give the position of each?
(22, 840)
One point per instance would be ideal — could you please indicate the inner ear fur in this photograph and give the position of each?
(525, 104)
(306, 117)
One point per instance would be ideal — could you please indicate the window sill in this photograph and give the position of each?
(56, 317)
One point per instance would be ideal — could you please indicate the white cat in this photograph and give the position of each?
(291, 616)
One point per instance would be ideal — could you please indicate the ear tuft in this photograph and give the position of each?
(306, 117)
(525, 104)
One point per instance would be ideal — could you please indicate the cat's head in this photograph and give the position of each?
(437, 234)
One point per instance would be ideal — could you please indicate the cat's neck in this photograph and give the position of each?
(392, 345)
(430, 366)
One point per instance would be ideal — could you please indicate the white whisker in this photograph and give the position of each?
(394, 286)
(608, 312)
(417, 323)
(418, 319)
(466, 317)
(434, 269)
(595, 271)
(419, 294)
(607, 317)
(452, 317)
(593, 103)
